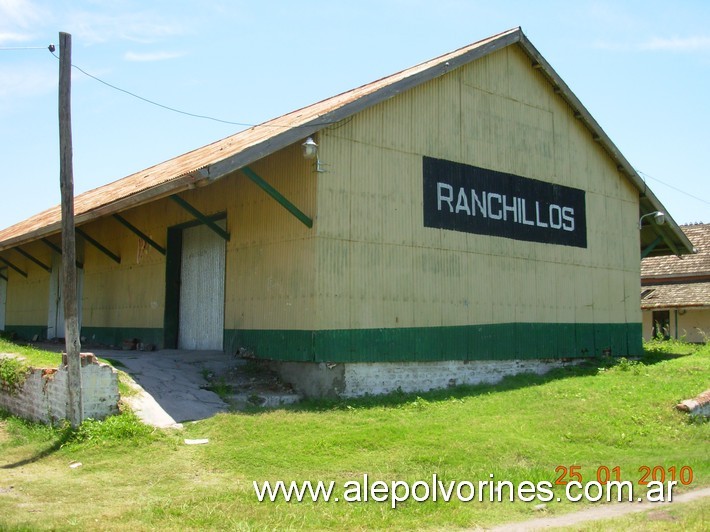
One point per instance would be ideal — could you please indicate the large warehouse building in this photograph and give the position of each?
(459, 220)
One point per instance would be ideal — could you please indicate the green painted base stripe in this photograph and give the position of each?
(109, 336)
(115, 336)
(273, 344)
(508, 341)
(27, 332)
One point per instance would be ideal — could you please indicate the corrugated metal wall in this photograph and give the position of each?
(27, 296)
(130, 294)
(379, 267)
(269, 257)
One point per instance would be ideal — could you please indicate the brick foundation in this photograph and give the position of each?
(374, 378)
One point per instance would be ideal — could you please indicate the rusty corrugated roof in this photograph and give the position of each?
(220, 158)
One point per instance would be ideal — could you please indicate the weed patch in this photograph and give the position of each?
(221, 388)
(122, 429)
(13, 373)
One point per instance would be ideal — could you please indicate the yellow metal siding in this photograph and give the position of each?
(496, 113)
(269, 263)
(28, 298)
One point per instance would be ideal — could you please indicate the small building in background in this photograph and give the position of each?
(675, 291)
(455, 222)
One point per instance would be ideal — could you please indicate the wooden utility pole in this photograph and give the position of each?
(66, 184)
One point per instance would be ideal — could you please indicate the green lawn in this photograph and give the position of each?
(133, 477)
(31, 355)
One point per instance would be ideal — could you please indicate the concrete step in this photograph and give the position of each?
(249, 384)
(242, 401)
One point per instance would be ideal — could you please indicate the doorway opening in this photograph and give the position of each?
(194, 294)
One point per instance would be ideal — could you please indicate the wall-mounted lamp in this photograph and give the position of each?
(310, 148)
(310, 151)
(658, 216)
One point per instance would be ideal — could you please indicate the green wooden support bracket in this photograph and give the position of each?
(98, 246)
(651, 247)
(56, 248)
(33, 259)
(140, 233)
(3, 277)
(52, 245)
(271, 191)
(11, 265)
(201, 217)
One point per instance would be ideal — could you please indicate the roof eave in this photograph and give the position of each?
(676, 242)
(281, 140)
(169, 188)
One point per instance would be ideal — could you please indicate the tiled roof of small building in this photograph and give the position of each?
(681, 295)
(673, 266)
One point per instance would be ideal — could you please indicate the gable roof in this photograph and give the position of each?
(216, 160)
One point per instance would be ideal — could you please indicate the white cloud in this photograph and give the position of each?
(22, 13)
(151, 56)
(19, 21)
(678, 44)
(142, 27)
(9, 36)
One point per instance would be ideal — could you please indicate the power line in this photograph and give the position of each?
(154, 102)
(174, 110)
(674, 188)
(52, 48)
(11, 48)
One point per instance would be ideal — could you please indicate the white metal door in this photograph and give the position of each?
(55, 321)
(201, 324)
(3, 301)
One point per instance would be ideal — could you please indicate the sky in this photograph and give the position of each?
(641, 68)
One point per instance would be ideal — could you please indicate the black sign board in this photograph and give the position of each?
(466, 198)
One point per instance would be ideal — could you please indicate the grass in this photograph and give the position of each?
(30, 355)
(613, 414)
(13, 370)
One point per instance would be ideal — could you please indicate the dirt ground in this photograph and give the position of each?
(606, 511)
